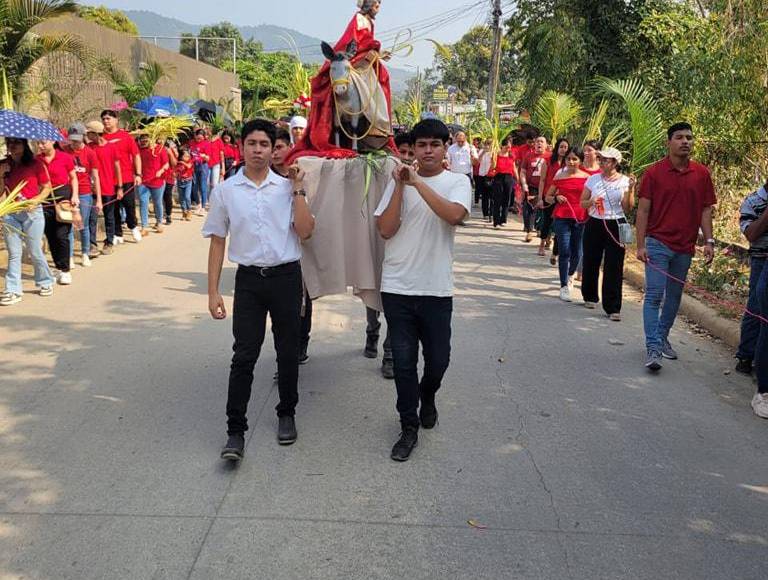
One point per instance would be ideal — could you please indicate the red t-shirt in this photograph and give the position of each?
(199, 148)
(533, 163)
(184, 172)
(85, 162)
(552, 169)
(505, 165)
(106, 156)
(231, 151)
(152, 160)
(126, 148)
(678, 199)
(59, 167)
(170, 174)
(35, 174)
(216, 148)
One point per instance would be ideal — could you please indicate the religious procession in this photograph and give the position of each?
(553, 276)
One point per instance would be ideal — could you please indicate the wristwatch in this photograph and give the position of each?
(710, 242)
(300, 192)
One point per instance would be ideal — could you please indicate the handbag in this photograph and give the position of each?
(64, 213)
(626, 233)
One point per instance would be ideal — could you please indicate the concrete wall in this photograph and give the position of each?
(86, 94)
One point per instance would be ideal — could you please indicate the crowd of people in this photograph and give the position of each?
(576, 199)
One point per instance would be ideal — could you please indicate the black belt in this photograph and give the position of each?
(271, 271)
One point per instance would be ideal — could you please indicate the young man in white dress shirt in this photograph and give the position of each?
(266, 217)
(417, 218)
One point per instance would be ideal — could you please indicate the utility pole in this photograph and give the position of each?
(493, 80)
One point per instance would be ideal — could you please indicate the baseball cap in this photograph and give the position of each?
(95, 127)
(611, 153)
(76, 132)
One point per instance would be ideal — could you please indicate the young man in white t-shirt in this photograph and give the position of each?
(417, 217)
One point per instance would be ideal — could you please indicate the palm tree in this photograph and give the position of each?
(556, 113)
(21, 48)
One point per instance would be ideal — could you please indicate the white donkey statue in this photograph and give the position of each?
(348, 104)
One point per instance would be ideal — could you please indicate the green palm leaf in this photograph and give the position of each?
(645, 126)
(596, 121)
(556, 113)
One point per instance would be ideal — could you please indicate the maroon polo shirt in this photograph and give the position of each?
(678, 199)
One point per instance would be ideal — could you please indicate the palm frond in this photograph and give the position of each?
(443, 50)
(556, 113)
(596, 121)
(165, 128)
(645, 125)
(7, 93)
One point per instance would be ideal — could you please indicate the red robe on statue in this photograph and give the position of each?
(319, 139)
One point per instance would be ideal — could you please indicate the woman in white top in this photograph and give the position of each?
(483, 184)
(607, 196)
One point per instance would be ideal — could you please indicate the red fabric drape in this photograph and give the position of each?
(318, 139)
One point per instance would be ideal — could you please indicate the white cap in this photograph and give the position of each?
(298, 121)
(611, 153)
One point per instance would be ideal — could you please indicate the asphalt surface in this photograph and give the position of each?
(557, 456)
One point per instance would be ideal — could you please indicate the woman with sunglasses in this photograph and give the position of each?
(607, 196)
(24, 227)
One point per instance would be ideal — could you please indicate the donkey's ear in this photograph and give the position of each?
(351, 49)
(328, 51)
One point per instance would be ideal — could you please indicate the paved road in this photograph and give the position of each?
(576, 462)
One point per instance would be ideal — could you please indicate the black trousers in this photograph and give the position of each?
(529, 210)
(306, 322)
(168, 201)
(503, 185)
(277, 292)
(373, 331)
(545, 229)
(483, 185)
(413, 320)
(129, 204)
(57, 235)
(600, 248)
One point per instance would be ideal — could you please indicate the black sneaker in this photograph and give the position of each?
(744, 366)
(409, 438)
(286, 430)
(428, 415)
(388, 369)
(653, 362)
(303, 357)
(234, 448)
(371, 348)
(168, 221)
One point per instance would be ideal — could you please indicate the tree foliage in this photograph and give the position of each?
(114, 19)
(21, 48)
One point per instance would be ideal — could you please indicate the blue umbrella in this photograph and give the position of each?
(162, 107)
(21, 126)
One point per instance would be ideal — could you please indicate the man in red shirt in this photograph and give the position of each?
(89, 189)
(130, 168)
(533, 170)
(676, 199)
(154, 164)
(110, 174)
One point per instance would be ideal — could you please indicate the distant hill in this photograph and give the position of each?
(271, 37)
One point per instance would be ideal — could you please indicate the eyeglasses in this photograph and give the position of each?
(604, 159)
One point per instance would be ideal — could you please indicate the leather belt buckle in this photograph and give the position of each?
(263, 271)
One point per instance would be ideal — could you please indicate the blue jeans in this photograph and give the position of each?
(32, 225)
(761, 348)
(750, 326)
(568, 233)
(661, 289)
(412, 320)
(185, 194)
(86, 210)
(200, 183)
(157, 202)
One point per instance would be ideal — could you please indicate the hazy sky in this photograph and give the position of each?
(326, 19)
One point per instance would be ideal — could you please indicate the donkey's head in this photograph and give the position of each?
(340, 66)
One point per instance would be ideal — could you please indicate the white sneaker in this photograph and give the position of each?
(86, 262)
(760, 405)
(71, 263)
(65, 278)
(9, 299)
(136, 234)
(565, 294)
(117, 240)
(570, 282)
(46, 291)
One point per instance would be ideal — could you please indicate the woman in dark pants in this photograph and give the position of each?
(61, 169)
(503, 186)
(556, 163)
(170, 180)
(607, 196)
